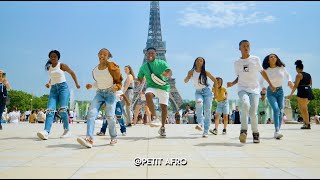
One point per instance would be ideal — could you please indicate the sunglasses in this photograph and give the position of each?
(263, 94)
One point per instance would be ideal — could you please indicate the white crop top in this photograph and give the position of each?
(56, 74)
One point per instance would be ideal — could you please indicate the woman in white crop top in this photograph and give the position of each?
(276, 72)
(106, 94)
(59, 94)
(203, 93)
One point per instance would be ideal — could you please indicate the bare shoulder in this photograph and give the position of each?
(63, 66)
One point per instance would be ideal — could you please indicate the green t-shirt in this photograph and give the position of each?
(158, 67)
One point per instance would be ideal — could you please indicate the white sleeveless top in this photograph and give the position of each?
(56, 74)
(103, 78)
(195, 78)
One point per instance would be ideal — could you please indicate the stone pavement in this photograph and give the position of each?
(23, 155)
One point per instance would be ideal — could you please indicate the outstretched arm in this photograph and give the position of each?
(265, 76)
(296, 84)
(189, 75)
(230, 84)
(214, 81)
(66, 68)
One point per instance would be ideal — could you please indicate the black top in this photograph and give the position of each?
(236, 115)
(305, 81)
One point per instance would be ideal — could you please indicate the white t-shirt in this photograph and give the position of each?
(41, 116)
(27, 112)
(103, 78)
(14, 117)
(247, 71)
(276, 76)
(71, 114)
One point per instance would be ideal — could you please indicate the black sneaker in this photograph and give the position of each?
(243, 136)
(224, 131)
(0, 126)
(129, 125)
(256, 137)
(306, 126)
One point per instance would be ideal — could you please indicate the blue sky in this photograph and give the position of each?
(29, 30)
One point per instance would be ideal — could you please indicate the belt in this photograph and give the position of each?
(105, 90)
(130, 87)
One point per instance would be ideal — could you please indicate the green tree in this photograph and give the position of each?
(22, 101)
(19, 99)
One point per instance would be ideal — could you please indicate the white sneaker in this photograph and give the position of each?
(85, 142)
(205, 135)
(124, 134)
(278, 135)
(44, 135)
(155, 123)
(198, 128)
(66, 134)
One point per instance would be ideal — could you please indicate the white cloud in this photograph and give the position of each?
(222, 14)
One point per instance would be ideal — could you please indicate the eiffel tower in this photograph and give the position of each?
(155, 40)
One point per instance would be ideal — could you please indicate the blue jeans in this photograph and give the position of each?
(3, 92)
(276, 101)
(107, 97)
(118, 113)
(2, 107)
(58, 93)
(203, 104)
(249, 105)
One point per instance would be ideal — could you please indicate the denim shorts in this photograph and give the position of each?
(223, 107)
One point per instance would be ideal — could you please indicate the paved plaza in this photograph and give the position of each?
(23, 155)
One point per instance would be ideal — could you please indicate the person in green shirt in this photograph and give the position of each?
(263, 107)
(160, 69)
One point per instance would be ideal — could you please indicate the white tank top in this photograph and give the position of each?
(195, 78)
(103, 78)
(56, 74)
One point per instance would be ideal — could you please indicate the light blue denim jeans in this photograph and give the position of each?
(59, 93)
(107, 96)
(249, 106)
(276, 102)
(203, 106)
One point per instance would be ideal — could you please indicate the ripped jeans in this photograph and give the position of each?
(59, 93)
(203, 106)
(107, 97)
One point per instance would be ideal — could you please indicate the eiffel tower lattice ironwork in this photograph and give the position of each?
(155, 40)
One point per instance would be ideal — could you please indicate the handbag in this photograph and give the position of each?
(155, 78)
(311, 95)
